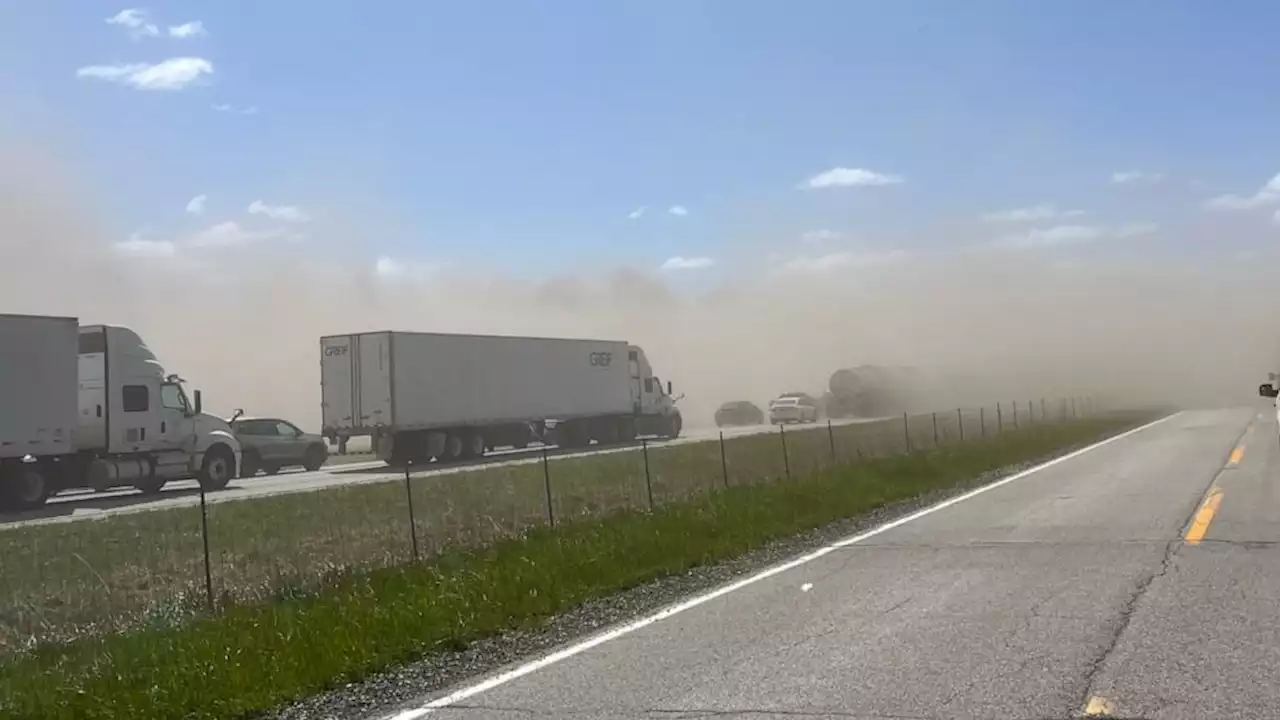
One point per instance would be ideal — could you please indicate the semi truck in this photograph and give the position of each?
(447, 397)
(876, 391)
(91, 407)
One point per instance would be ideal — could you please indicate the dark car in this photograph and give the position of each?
(269, 444)
(739, 412)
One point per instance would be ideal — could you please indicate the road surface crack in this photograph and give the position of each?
(1127, 611)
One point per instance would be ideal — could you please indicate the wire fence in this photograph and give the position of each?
(64, 581)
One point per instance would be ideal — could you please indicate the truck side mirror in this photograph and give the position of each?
(199, 403)
(668, 387)
(1267, 390)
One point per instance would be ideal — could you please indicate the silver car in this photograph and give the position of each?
(793, 408)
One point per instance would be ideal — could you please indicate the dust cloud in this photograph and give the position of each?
(243, 323)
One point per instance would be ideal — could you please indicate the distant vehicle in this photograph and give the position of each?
(448, 397)
(269, 444)
(793, 407)
(739, 412)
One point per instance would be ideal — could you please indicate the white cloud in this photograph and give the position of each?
(171, 74)
(231, 234)
(287, 213)
(1133, 177)
(850, 177)
(1269, 194)
(819, 236)
(678, 210)
(137, 246)
(1031, 214)
(1056, 236)
(1067, 235)
(228, 108)
(838, 260)
(195, 28)
(195, 206)
(684, 263)
(392, 269)
(136, 21)
(637, 213)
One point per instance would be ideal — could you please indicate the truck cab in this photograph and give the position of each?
(649, 398)
(138, 424)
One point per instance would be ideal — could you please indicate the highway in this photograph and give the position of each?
(75, 506)
(1135, 579)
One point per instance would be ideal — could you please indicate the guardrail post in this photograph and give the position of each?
(546, 483)
(413, 523)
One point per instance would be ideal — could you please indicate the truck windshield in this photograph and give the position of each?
(658, 383)
(172, 396)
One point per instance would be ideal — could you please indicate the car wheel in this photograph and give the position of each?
(315, 457)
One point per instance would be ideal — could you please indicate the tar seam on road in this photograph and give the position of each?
(578, 648)
(1203, 517)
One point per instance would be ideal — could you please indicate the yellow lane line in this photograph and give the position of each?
(1204, 516)
(1099, 706)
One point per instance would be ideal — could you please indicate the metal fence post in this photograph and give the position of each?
(648, 481)
(935, 429)
(906, 431)
(999, 418)
(786, 461)
(413, 523)
(208, 569)
(831, 440)
(982, 420)
(1043, 415)
(546, 483)
(1015, 414)
(724, 463)
(1073, 408)
(1031, 412)
(960, 420)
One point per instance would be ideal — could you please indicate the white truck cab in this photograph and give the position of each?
(139, 424)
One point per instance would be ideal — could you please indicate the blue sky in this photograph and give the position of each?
(519, 136)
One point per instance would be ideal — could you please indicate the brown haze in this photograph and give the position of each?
(243, 323)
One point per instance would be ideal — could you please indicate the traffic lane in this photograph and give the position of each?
(1204, 639)
(1128, 491)
(86, 505)
(933, 618)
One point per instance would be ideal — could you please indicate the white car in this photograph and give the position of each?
(793, 408)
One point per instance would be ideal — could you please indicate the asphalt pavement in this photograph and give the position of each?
(80, 505)
(1136, 579)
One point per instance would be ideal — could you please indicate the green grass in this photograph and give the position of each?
(254, 657)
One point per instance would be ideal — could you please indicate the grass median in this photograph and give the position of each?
(252, 658)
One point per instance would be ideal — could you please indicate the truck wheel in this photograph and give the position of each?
(472, 445)
(315, 457)
(150, 486)
(674, 424)
(250, 463)
(453, 447)
(606, 431)
(218, 468)
(23, 488)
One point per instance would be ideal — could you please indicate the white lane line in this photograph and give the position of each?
(566, 653)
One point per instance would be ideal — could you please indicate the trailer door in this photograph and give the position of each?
(374, 360)
(337, 386)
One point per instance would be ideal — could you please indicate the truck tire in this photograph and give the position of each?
(453, 447)
(23, 488)
(605, 431)
(218, 468)
(627, 429)
(314, 458)
(472, 445)
(675, 424)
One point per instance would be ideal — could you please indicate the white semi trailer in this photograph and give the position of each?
(90, 407)
(447, 397)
